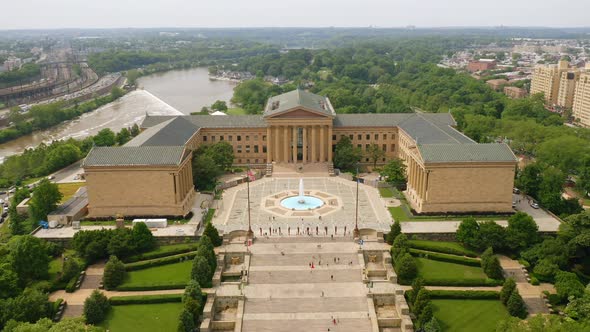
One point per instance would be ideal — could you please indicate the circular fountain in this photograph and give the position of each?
(302, 201)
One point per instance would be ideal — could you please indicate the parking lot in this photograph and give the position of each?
(546, 222)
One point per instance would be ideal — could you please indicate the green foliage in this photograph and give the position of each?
(8, 281)
(545, 270)
(96, 307)
(406, 269)
(145, 264)
(123, 136)
(432, 326)
(375, 154)
(252, 95)
(417, 286)
(201, 271)
(45, 198)
(543, 323)
(205, 171)
(205, 249)
(193, 299)
(567, 284)
(28, 258)
(114, 273)
(465, 295)
(522, 231)
(516, 306)
(30, 306)
(105, 137)
(579, 308)
(26, 73)
(491, 264)
(346, 156)
(467, 232)
(213, 234)
(219, 105)
(71, 268)
(144, 299)
(394, 172)
(422, 301)
(437, 256)
(142, 237)
(162, 251)
(452, 248)
(491, 235)
(507, 290)
(394, 231)
(186, 322)
(400, 246)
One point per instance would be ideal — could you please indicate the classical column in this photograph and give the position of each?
(277, 147)
(294, 147)
(286, 143)
(322, 143)
(268, 145)
(304, 160)
(314, 142)
(330, 142)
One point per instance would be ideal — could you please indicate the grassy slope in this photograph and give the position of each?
(176, 273)
(143, 317)
(469, 315)
(69, 189)
(431, 270)
(443, 244)
(236, 111)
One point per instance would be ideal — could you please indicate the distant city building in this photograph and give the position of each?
(567, 88)
(514, 92)
(481, 65)
(546, 80)
(12, 63)
(581, 104)
(497, 84)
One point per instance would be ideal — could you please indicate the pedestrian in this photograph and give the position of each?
(334, 321)
(334, 259)
(332, 277)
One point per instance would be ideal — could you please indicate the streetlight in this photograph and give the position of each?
(356, 233)
(250, 232)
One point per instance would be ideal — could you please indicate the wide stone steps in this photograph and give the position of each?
(306, 325)
(305, 305)
(298, 277)
(303, 259)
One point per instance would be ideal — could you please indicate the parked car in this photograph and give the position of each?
(51, 177)
(514, 204)
(535, 205)
(515, 191)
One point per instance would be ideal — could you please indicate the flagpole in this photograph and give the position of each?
(356, 219)
(250, 232)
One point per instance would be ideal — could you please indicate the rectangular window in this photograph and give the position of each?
(360, 146)
(359, 137)
(239, 149)
(204, 138)
(392, 147)
(350, 137)
(368, 136)
(367, 147)
(264, 138)
(255, 148)
(230, 138)
(334, 137)
(255, 137)
(384, 148)
(247, 138)
(264, 149)
(376, 136)
(221, 138)
(239, 138)
(384, 136)
(247, 148)
(212, 138)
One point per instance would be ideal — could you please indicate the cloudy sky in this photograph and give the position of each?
(32, 14)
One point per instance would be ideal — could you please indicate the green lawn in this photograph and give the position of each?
(169, 274)
(143, 317)
(469, 315)
(399, 214)
(69, 189)
(431, 270)
(55, 266)
(442, 246)
(386, 192)
(236, 111)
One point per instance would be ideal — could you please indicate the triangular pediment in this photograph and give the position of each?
(298, 113)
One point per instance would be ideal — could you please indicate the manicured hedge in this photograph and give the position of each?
(436, 256)
(467, 295)
(462, 282)
(154, 255)
(151, 287)
(145, 299)
(159, 261)
(440, 247)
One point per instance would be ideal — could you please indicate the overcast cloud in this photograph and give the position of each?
(35, 14)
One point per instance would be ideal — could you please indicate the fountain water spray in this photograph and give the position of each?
(301, 192)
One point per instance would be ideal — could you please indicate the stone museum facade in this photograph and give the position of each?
(447, 171)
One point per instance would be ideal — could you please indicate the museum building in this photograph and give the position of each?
(447, 172)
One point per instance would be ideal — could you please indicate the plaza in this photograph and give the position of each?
(233, 212)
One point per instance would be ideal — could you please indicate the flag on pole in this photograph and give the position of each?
(251, 175)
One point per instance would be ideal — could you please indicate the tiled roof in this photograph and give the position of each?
(298, 98)
(210, 121)
(174, 132)
(440, 153)
(135, 156)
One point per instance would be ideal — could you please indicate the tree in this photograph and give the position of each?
(219, 105)
(213, 234)
(422, 300)
(529, 180)
(545, 323)
(186, 322)
(375, 154)
(70, 268)
(493, 268)
(116, 92)
(516, 306)
(201, 271)
(45, 199)
(142, 237)
(205, 172)
(114, 273)
(8, 281)
(545, 270)
(522, 231)
(105, 137)
(96, 307)
(432, 326)
(206, 249)
(406, 268)
(394, 172)
(394, 231)
(222, 153)
(507, 288)
(30, 306)
(123, 136)
(567, 284)
(491, 235)
(61, 157)
(135, 130)
(121, 243)
(579, 308)
(417, 286)
(400, 246)
(346, 156)
(468, 232)
(426, 314)
(193, 299)
(28, 257)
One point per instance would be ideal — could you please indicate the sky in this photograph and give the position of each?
(54, 14)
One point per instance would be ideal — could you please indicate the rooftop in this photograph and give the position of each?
(135, 156)
(441, 153)
(298, 98)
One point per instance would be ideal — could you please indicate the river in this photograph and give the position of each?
(169, 93)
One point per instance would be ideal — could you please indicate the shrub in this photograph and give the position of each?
(567, 284)
(159, 261)
(114, 273)
(201, 271)
(425, 314)
(436, 256)
(186, 322)
(491, 235)
(406, 268)
(394, 231)
(417, 285)
(150, 287)
(71, 285)
(437, 247)
(432, 326)
(463, 282)
(205, 249)
(400, 246)
(467, 295)
(493, 269)
(154, 255)
(193, 299)
(213, 234)
(96, 307)
(422, 300)
(467, 232)
(522, 231)
(143, 239)
(534, 281)
(546, 270)
(507, 289)
(145, 299)
(516, 306)
(70, 269)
